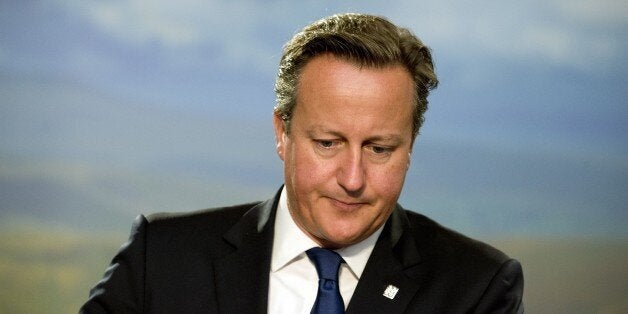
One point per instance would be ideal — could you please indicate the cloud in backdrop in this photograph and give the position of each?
(112, 108)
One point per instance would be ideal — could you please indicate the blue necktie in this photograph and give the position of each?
(328, 299)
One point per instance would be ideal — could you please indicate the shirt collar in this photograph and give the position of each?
(290, 242)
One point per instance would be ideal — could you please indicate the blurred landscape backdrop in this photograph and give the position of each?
(109, 109)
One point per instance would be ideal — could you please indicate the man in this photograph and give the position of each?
(351, 91)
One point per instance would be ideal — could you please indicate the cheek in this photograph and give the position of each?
(305, 173)
(309, 168)
(388, 181)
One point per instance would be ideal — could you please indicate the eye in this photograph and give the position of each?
(379, 153)
(379, 150)
(325, 143)
(327, 148)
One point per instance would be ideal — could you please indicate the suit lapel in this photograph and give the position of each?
(393, 266)
(241, 277)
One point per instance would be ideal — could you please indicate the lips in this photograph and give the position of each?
(347, 205)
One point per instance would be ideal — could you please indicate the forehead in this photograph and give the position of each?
(332, 89)
(328, 68)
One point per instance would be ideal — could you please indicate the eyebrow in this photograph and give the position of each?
(389, 139)
(316, 131)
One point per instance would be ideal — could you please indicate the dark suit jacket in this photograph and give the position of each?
(218, 261)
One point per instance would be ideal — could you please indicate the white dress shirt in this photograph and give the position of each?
(293, 279)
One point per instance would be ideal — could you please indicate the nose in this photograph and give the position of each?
(351, 173)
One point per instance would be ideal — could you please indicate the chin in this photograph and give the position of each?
(343, 239)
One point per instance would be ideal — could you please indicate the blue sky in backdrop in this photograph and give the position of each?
(113, 108)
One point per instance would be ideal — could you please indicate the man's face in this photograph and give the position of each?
(348, 150)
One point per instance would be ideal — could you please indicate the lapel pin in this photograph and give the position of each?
(390, 292)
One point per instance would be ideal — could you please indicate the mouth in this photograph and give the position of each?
(347, 205)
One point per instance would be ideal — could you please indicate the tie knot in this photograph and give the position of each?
(327, 262)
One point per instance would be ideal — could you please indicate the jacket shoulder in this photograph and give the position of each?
(201, 229)
(479, 277)
(201, 217)
(452, 248)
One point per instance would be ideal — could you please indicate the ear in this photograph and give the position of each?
(280, 135)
